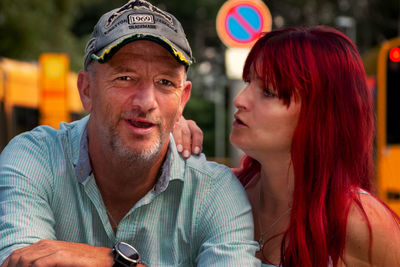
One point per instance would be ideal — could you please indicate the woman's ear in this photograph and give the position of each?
(84, 89)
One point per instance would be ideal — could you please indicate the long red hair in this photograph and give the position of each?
(332, 145)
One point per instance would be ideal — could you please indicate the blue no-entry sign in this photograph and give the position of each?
(240, 22)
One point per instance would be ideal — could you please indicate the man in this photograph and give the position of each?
(114, 179)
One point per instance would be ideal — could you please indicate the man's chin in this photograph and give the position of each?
(142, 153)
(133, 148)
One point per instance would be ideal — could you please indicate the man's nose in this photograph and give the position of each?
(144, 97)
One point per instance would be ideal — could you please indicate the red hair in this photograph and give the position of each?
(332, 144)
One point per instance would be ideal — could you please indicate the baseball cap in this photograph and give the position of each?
(137, 20)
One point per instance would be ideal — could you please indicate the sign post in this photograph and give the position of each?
(240, 22)
(239, 25)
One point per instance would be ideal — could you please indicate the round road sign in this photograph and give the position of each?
(240, 22)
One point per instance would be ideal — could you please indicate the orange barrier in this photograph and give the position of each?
(21, 86)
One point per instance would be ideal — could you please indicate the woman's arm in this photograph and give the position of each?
(385, 246)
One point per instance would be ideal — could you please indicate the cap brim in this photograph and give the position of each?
(107, 52)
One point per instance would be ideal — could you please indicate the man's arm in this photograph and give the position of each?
(27, 234)
(225, 225)
(25, 195)
(59, 253)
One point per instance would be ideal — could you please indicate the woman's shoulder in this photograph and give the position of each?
(385, 230)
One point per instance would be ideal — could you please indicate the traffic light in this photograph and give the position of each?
(388, 93)
(394, 54)
(388, 124)
(393, 96)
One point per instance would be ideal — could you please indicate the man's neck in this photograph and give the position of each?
(121, 183)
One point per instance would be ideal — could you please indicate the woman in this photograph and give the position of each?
(305, 122)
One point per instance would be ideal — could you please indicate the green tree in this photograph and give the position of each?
(31, 27)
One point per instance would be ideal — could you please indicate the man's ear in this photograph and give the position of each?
(84, 90)
(184, 98)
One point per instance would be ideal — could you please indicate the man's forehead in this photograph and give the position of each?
(146, 51)
(134, 61)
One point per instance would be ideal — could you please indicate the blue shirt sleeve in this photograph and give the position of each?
(25, 192)
(230, 243)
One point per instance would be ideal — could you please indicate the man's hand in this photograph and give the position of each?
(49, 253)
(188, 137)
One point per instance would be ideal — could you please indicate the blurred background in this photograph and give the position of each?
(29, 29)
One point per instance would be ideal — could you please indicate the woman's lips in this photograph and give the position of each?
(238, 121)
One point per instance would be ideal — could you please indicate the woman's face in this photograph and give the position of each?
(263, 124)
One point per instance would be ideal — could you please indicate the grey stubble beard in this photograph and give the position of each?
(144, 156)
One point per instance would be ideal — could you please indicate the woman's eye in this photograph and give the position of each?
(269, 93)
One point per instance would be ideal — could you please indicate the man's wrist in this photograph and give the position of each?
(125, 255)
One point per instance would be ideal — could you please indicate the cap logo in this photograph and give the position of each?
(140, 18)
(137, 4)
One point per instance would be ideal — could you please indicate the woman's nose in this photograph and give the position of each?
(241, 100)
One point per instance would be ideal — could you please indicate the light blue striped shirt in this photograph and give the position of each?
(197, 214)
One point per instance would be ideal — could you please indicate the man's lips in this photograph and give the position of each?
(140, 123)
(140, 126)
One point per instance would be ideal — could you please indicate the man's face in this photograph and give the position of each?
(135, 99)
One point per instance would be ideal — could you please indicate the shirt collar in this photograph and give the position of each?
(83, 169)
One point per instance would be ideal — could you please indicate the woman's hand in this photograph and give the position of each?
(188, 137)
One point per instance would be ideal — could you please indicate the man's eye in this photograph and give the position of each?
(166, 82)
(124, 78)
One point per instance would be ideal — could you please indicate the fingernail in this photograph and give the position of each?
(196, 150)
(179, 148)
(186, 154)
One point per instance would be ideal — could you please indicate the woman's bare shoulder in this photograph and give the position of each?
(385, 229)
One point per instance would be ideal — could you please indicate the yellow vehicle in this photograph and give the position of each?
(388, 124)
(32, 94)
